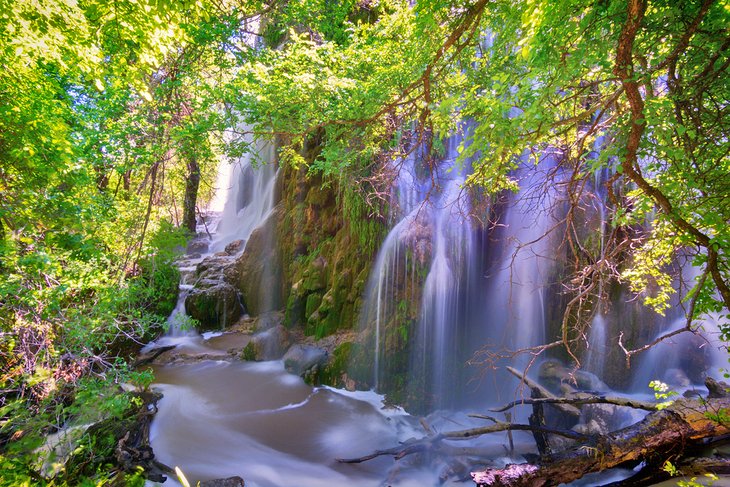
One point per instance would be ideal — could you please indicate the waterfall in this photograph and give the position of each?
(415, 291)
(437, 336)
(243, 201)
(249, 194)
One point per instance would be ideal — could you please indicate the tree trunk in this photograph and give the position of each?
(663, 433)
(191, 194)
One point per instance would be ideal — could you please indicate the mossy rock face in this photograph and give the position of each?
(249, 352)
(313, 302)
(335, 371)
(360, 365)
(295, 310)
(350, 366)
(324, 264)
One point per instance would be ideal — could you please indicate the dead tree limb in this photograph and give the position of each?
(580, 400)
(541, 392)
(671, 431)
(433, 443)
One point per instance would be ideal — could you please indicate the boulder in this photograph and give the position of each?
(676, 378)
(304, 359)
(562, 380)
(235, 247)
(717, 388)
(257, 273)
(267, 345)
(214, 266)
(197, 246)
(214, 304)
(268, 320)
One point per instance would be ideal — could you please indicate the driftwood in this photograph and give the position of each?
(432, 443)
(149, 357)
(671, 431)
(539, 391)
(581, 399)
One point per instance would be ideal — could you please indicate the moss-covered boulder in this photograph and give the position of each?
(214, 304)
(267, 345)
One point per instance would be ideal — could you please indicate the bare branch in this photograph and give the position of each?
(616, 401)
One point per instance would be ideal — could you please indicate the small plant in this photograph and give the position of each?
(141, 380)
(721, 416)
(672, 470)
(662, 393)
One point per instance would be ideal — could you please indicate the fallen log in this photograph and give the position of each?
(539, 391)
(662, 433)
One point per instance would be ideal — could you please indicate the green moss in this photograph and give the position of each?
(328, 237)
(294, 312)
(337, 365)
(313, 302)
(249, 352)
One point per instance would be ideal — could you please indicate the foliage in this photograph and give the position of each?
(672, 470)
(104, 105)
(662, 393)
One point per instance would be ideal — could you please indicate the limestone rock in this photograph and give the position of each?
(228, 482)
(235, 247)
(257, 273)
(267, 345)
(214, 266)
(197, 245)
(562, 380)
(268, 320)
(303, 359)
(215, 304)
(717, 388)
(676, 378)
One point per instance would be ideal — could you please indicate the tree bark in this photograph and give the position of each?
(192, 183)
(663, 433)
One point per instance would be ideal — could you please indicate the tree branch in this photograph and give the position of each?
(624, 70)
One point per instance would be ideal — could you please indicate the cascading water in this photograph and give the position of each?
(516, 295)
(243, 201)
(221, 418)
(432, 238)
(250, 196)
(683, 361)
(460, 308)
(440, 290)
